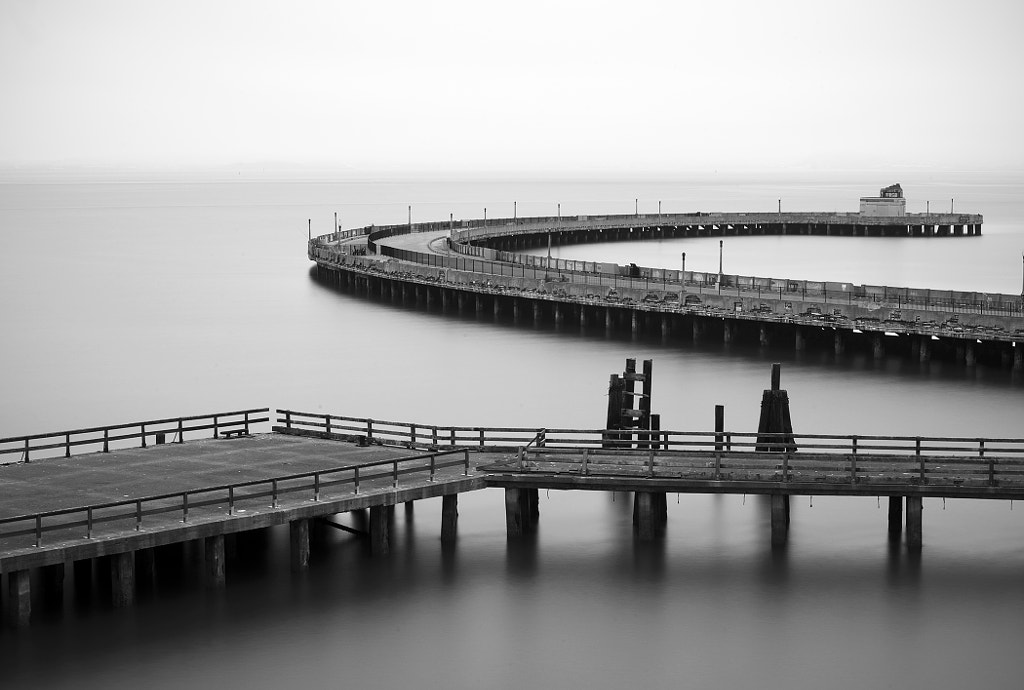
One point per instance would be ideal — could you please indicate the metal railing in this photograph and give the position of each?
(104, 438)
(226, 499)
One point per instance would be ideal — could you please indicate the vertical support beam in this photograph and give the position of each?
(727, 332)
(763, 336)
(698, 330)
(1018, 357)
(895, 517)
(839, 343)
(514, 518)
(665, 327)
(122, 579)
(608, 321)
(449, 517)
(298, 531)
(214, 569)
(644, 515)
(634, 321)
(145, 569)
(19, 598)
(409, 510)
(536, 312)
(780, 519)
(798, 339)
(925, 353)
(559, 317)
(969, 355)
(877, 346)
(380, 537)
(914, 533)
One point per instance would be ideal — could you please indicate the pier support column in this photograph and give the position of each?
(925, 353)
(634, 320)
(145, 570)
(449, 517)
(19, 598)
(1018, 357)
(895, 517)
(215, 571)
(645, 518)
(608, 321)
(698, 330)
(780, 519)
(839, 343)
(763, 336)
(583, 317)
(969, 356)
(479, 304)
(878, 347)
(559, 316)
(380, 537)
(536, 313)
(298, 531)
(497, 306)
(514, 518)
(798, 339)
(727, 332)
(122, 580)
(914, 533)
(515, 310)
(665, 328)
(462, 301)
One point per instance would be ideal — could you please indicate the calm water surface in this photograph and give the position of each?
(123, 302)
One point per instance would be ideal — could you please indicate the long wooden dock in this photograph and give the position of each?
(137, 492)
(475, 266)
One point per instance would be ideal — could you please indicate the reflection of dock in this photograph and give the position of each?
(478, 265)
(124, 511)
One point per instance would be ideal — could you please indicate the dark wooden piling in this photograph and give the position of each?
(775, 428)
(214, 571)
(298, 533)
(914, 527)
(449, 517)
(895, 517)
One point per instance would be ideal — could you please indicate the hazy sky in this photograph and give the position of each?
(620, 86)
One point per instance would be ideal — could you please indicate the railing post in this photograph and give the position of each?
(273, 493)
(316, 487)
(143, 436)
(650, 462)
(26, 450)
(481, 437)
(231, 500)
(853, 468)
(357, 480)
(181, 430)
(452, 430)
(138, 516)
(394, 476)
(433, 458)
(106, 440)
(39, 531)
(785, 467)
(585, 469)
(216, 430)
(412, 434)
(67, 444)
(88, 523)
(246, 422)
(369, 429)
(433, 437)
(184, 507)
(327, 424)
(287, 419)
(466, 459)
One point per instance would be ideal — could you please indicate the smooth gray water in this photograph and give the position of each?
(122, 302)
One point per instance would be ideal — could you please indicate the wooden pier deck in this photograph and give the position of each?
(121, 503)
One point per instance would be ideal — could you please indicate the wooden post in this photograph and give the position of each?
(145, 570)
(299, 537)
(775, 418)
(52, 580)
(914, 531)
(214, 569)
(122, 579)
(19, 598)
(613, 421)
(895, 517)
(780, 519)
(449, 517)
(644, 515)
(379, 531)
(514, 523)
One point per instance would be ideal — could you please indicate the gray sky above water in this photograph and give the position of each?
(557, 86)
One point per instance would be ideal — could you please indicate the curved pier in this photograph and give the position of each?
(474, 264)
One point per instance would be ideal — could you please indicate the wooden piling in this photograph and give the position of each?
(644, 516)
(214, 571)
(514, 518)
(298, 531)
(914, 527)
(449, 517)
(380, 537)
(895, 517)
(19, 598)
(780, 519)
(122, 579)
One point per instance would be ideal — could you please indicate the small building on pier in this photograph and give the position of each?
(888, 203)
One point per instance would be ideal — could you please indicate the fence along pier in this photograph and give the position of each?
(477, 265)
(340, 464)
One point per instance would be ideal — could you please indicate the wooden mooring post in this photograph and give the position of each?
(775, 434)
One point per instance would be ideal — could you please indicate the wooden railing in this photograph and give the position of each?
(27, 448)
(224, 499)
